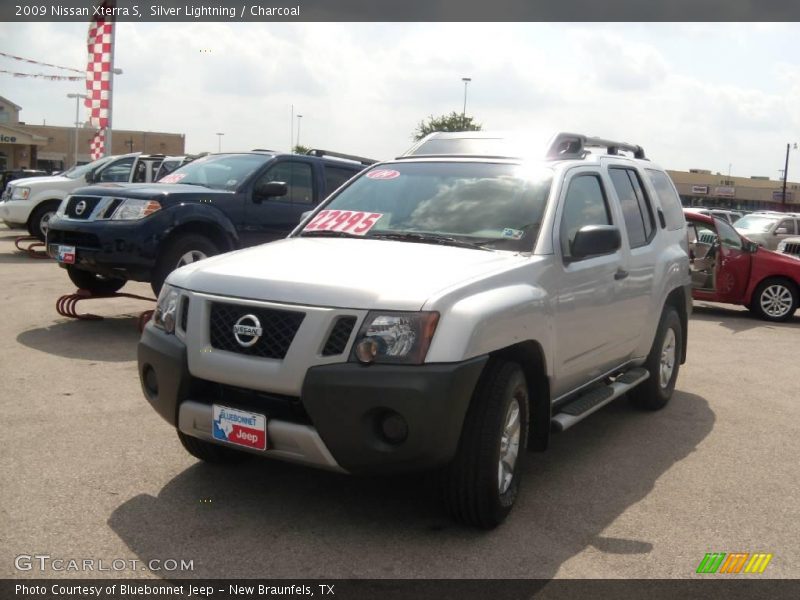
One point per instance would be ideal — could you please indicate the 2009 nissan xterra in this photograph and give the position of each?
(445, 310)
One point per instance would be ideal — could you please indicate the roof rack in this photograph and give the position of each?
(323, 153)
(574, 145)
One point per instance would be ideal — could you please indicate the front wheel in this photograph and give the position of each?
(40, 219)
(182, 251)
(94, 283)
(482, 482)
(663, 364)
(774, 300)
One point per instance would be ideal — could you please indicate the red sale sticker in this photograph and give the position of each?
(383, 174)
(349, 221)
(172, 178)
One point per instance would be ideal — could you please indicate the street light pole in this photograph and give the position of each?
(219, 142)
(466, 81)
(77, 121)
(298, 130)
(785, 175)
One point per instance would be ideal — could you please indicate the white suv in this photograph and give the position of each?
(448, 309)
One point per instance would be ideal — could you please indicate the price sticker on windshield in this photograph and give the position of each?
(172, 178)
(383, 174)
(347, 221)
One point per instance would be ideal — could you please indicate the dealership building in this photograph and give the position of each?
(52, 148)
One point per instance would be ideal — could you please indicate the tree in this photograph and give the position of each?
(452, 122)
(300, 149)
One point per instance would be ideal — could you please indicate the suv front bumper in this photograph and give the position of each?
(346, 404)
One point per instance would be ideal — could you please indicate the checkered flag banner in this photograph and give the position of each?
(98, 78)
(97, 146)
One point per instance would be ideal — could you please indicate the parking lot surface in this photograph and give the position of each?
(90, 471)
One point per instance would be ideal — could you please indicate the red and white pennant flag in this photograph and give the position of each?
(99, 45)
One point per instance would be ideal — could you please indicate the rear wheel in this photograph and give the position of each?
(94, 283)
(211, 453)
(181, 251)
(40, 219)
(482, 482)
(774, 300)
(663, 363)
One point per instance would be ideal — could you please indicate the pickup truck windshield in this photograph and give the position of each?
(79, 171)
(219, 171)
(489, 205)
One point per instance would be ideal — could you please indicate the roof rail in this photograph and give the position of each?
(574, 145)
(359, 159)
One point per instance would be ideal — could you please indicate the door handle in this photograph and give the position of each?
(620, 274)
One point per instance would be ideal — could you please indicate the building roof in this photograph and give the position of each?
(7, 101)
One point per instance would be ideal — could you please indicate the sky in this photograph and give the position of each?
(722, 97)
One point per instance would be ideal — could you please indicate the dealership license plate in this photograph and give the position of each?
(65, 254)
(239, 427)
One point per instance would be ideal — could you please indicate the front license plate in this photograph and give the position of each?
(65, 254)
(239, 427)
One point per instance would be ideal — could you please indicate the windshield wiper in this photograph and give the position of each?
(426, 238)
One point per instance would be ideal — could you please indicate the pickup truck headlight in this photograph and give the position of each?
(131, 210)
(166, 307)
(21, 193)
(395, 337)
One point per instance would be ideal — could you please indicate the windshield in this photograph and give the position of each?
(496, 206)
(757, 223)
(218, 171)
(79, 171)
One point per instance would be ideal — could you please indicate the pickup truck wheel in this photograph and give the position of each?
(663, 363)
(94, 283)
(212, 453)
(37, 225)
(482, 482)
(774, 300)
(179, 252)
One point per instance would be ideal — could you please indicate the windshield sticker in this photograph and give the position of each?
(347, 221)
(172, 178)
(514, 234)
(383, 174)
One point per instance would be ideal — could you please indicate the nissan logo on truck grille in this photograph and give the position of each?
(253, 330)
(247, 331)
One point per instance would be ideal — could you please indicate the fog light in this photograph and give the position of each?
(367, 350)
(150, 381)
(394, 428)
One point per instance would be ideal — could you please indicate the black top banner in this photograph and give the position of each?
(405, 11)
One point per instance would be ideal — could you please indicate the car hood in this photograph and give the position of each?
(42, 181)
(146, 190)
(343, 272)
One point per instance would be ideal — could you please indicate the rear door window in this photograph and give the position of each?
(636, 208)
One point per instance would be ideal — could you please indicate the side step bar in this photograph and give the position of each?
(595, 399)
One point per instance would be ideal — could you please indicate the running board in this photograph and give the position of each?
(595, 399)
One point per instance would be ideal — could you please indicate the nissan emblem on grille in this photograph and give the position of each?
(247, 326)
(80, 207)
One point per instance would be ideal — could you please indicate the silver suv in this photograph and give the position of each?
(767, 229)
(448, 309)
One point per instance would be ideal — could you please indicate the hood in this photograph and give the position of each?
(342, 272)
(762, 254)
(148, 191)
(49, 180)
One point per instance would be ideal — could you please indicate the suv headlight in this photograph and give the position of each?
(781, 246)
(21, 193)
(395, 337)
(131, 210)
(166, 307)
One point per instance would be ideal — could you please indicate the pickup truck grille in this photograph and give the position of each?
(278, 329)
(81, 207)
(792, 248)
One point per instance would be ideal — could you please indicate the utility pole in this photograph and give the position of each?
(298, 130)
(77, 121)
(466, 81)
(785, 174)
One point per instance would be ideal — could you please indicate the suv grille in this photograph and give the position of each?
(337, 340)
(792, 248)
(85, 204)
(279, 328)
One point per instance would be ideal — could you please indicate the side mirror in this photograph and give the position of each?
(594, 240)
(750, 247)
(270, 189)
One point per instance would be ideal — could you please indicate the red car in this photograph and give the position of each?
(727, 267)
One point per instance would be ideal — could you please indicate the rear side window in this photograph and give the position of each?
(336, 176)
(669, 199)
(635, 207)
(584, 204)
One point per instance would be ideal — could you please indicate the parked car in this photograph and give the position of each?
(767, 229)
(727, 267)
(32, 202)
(8, 176)
(171, 163)
(106, 235)
(441, 310)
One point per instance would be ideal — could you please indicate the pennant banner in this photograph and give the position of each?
(97, 147)
(43, 76)
(36, 62)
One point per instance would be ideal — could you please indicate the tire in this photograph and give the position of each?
(476, 489)
(175, 254)
(212, 453)
(774, 300)
(94, 283)
(663, 364)
(41, 215)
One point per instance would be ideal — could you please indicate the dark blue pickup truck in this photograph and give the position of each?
(105, 235)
